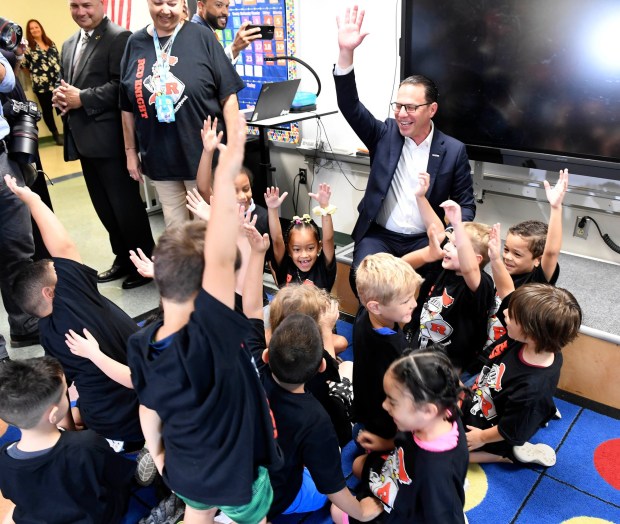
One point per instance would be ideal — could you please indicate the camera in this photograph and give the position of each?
(24, 136)
(10, 34)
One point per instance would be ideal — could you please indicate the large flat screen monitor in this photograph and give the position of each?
(532, 83)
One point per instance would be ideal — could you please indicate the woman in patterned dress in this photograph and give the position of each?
(43, 61)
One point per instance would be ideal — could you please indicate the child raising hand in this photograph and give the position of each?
(299, 255)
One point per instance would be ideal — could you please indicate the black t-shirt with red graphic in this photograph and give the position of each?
(514, 396)
(200, 77)
(321, 274)
(456, 316)
(417, 485)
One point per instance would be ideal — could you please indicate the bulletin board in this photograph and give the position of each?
(251, 66)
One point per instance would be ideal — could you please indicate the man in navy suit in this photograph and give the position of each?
(400, 148)
(88, 97)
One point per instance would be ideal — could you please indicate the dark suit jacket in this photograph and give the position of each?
(95, 129)
(448, 165)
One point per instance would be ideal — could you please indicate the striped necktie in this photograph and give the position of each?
(80, 50)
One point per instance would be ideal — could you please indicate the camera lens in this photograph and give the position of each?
(10, 34)
(24, 137)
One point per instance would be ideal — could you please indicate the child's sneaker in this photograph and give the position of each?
(535, 454)
(169, 511)
(145, 468)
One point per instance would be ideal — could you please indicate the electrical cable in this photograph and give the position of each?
(320, 122)
(610, 243)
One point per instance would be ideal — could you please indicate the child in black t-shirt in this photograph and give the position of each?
(198, 200)
(63, 294)
(53, 476)
(387, 287)
(311, 472)
(513, 394)
(300, 256)
(530, 254)
(421, 480)
(317, 303)
(455, 312)
(203, 409)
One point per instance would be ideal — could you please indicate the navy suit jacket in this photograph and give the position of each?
(95, 129)
(448, 165)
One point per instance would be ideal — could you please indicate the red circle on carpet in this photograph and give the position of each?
(607, 462)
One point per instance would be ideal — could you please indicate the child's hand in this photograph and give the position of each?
(371, 508)
(453, 212)
(434, 243)
(424, 181)
(330, 315)
(495, 242)
(231, 155)
(23, 193)
(210, 137)
(323, 196)
(244, 217)
(143, 264)
(371, 442)
(80, 346)
(197, 205)
(474, 438)
(258, 243)
(273, 200)
(555, 195)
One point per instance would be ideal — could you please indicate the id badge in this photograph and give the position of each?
(164, 108)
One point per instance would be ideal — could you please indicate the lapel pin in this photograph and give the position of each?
(97, 37)
(435, 155)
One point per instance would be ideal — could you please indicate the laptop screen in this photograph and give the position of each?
(275, 99)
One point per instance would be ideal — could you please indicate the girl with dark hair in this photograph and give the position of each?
(422, 479)
(300, 256)
(42, 60)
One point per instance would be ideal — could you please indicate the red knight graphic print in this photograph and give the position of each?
(385, 484)
(174, 87)
(433, 327)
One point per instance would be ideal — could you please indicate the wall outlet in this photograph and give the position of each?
(303, 175)
(582, 227)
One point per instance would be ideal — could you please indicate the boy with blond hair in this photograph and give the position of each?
(387, 288)
(456, 310)
(202, 407)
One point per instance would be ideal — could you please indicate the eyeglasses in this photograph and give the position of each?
(410, 108)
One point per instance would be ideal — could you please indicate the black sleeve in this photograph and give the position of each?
(321, 455)
(257, 343)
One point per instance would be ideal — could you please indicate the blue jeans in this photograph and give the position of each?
(16, 249)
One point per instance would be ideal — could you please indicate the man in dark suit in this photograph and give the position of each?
(88, 99)
(400, 148)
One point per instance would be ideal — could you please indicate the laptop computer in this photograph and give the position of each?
(274, 99)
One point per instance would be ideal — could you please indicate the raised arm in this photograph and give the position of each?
(553, 244)
(426, 210)
(468, 260)
(253, 283)
(55, 236)
(350, 35)
(221, 236)
(273, 201)
(503, 281)
(327, 225)
(87, 347)
(211, 139)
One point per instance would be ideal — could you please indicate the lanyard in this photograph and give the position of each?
(163, 66)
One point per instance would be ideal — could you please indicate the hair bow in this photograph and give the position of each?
(304, 219)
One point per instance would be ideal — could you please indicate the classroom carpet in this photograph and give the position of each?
(582, 488)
